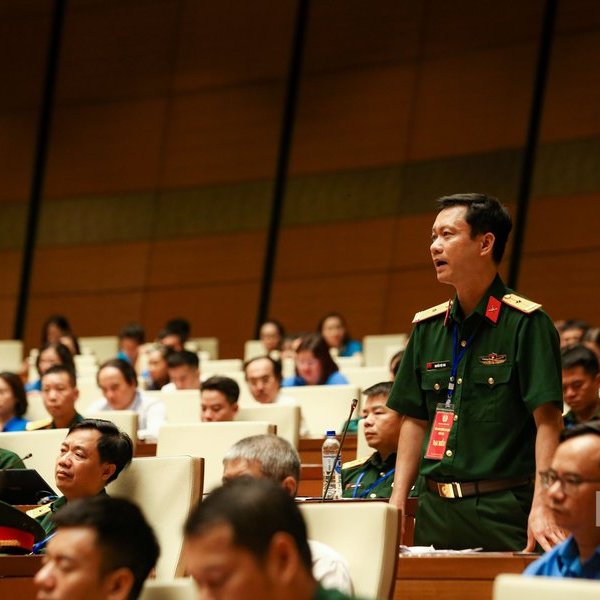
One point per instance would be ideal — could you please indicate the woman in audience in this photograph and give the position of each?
(314, 365)
(50, 355)
(333, 329)
(54, 327)
(13, 403)
(271, 335)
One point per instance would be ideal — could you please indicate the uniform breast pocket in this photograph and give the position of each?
(491, 385)
(435, 389)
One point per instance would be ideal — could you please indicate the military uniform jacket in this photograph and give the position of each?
(10, 460)
(511, 367)
(50, 424)
(365, 472)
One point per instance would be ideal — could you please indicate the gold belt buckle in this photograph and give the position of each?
(450, 490)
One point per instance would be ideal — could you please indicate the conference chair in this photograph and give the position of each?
(365, 534)
(166, 488)
(376, 348)
(88, 392)
(286, 417)
(519, 587)
(209, 441)
(220, 367)
(35, 407)
(103, 346)
(354, 361)
(183, 406)
(44, 446)
(182, 588)
(204, 344)
(324, 407)
(11, 355)
(253, 349)
(365, 377)
(125, 420)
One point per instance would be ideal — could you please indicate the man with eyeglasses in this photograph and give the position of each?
(572, 490)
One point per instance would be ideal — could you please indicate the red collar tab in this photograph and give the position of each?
(492, 312)
(447, 316)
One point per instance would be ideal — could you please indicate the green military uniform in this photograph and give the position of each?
(324, 594)
(570, 419)
(510, 367)
(10, 460)
(369, 477)
(50, 424)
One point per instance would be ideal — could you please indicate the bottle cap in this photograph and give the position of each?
(330, 432)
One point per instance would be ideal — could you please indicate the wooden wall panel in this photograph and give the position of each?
(11, 276)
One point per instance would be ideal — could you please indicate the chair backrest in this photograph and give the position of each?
(362, 447)
(375, 347)
(11, 355)
(324, 407)
(220, 367)
(167, 488)
(125, 420)
(35, 407)
(44, 446)
(204, 344)
(340, 524)
(253, 348)
(518, 587)
(365, 377)
(182, 588)
(103, 346)
(183, 406)
(285, 416)
(88, 392)
(348, 361)
(209, 441)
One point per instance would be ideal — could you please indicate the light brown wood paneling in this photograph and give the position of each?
(11, 273)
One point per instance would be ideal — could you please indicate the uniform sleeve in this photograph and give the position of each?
(538, 362)
(406, 396)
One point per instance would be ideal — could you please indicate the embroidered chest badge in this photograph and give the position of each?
(492, 359)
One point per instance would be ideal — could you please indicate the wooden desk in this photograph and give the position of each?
(16, 576)
(454, 577)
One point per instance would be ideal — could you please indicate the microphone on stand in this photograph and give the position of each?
(27, 456)
(339, 452)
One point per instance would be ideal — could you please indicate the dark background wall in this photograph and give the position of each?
(165, 138)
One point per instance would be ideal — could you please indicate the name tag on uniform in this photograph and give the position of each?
(440, 431)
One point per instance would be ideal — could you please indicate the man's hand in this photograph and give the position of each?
(542, 528)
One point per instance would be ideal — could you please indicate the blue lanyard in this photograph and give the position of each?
(457, 356)
(373, 485)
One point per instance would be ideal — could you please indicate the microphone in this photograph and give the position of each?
(339, 452)
(27, 456)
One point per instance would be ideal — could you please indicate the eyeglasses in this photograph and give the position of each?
(568, 484)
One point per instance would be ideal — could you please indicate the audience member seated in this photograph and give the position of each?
(395, 364)
(184, 371)
(13, 403)
(263, 376)
(373, 476)
(157, 374)
(118, 381)
(333, 329)
(50, 354)
(272, 457)
(572, 485)
(314, 365)
(90, 457)
(10, 460)
(59, 393)
(581, 382)
(271, 334)
(219, 399)
(175, 334)
(248, 540)
(71, 342)
(591, 340)
(131, 338)
(55, 327)
(104, 549)
(572, 332)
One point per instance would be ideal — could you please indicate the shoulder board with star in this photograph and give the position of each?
(520, 303)
(355, 463)
(39, 424)
(39, 511)
(434, 311)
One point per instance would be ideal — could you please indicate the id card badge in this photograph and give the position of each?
(440, 431)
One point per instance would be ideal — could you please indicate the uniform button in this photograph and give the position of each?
(448, 452)
(456, 417)
(373, 496)
(382, 474)
(491, 381)
(459, 380)
(463, 343)
(436, 387)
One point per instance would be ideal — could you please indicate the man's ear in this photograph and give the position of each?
(117, 584)
(283, 560)
(487, 243)
(108, 470)
(290, 485)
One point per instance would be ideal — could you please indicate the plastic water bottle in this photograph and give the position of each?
(329, 451)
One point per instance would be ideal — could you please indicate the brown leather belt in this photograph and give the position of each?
(455, 489)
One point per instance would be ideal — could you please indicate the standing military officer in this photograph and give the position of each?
(373, 476)
(479, 387)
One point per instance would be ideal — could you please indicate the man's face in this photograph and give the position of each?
(570, 337)
(118, 393)
(157, 367)
(455, 255)
(79, 471)
(59, 396)
(172, 341)
(185, 377)
(71, 569)
(262, 382)
(214, 407)
(580, 390)
(269, 336)
(576, 458)
(382, 425)
(224, 571)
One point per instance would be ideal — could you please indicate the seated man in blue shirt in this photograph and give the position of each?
(572, 484)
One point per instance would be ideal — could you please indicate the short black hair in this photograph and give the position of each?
(579, 355)
(255, 509)
(592, 427)
(276, 364)
(133, 331)
(124, 537)
(114, 446)
(15, 383)
(178, 326)
(183, 358)
(379, 389)
(227, 386)
(485, 214)
(57, 369)
(124, 366)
